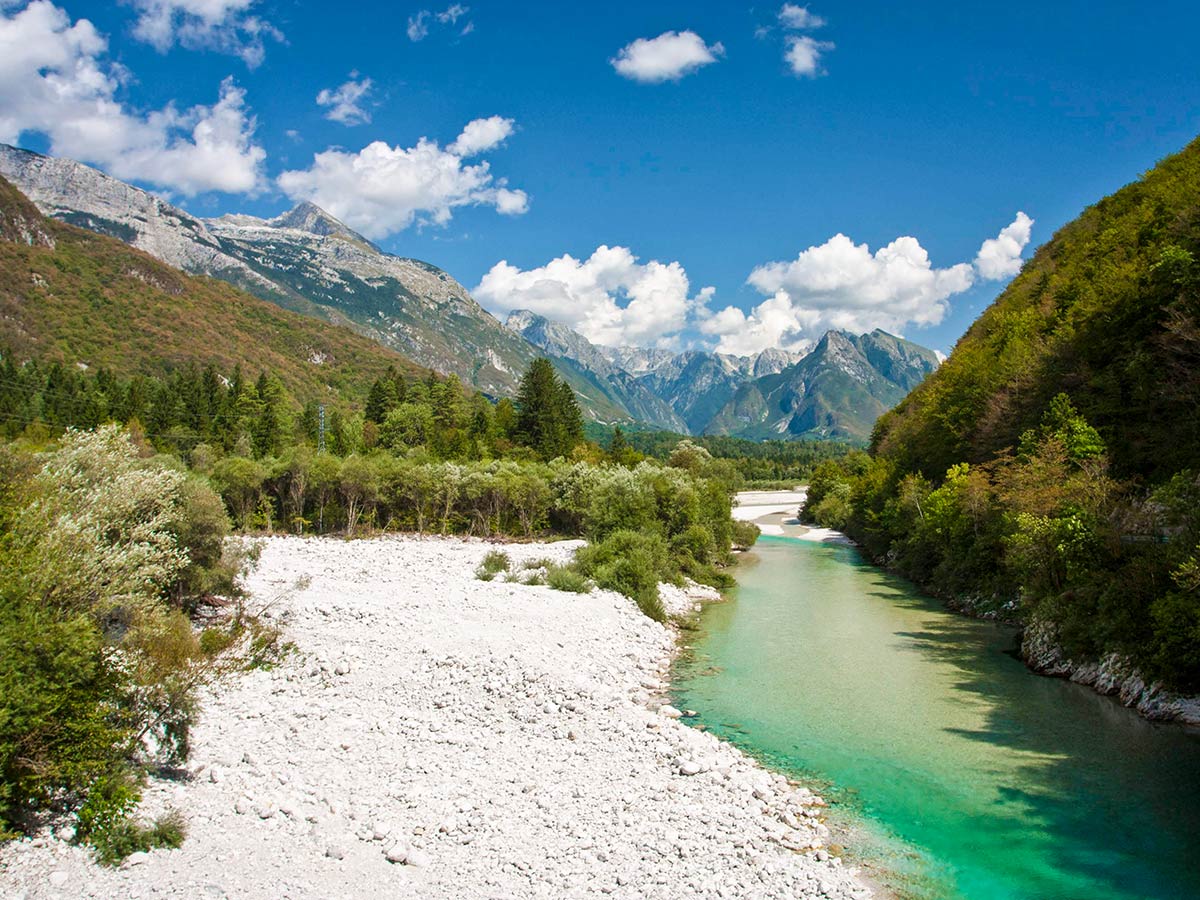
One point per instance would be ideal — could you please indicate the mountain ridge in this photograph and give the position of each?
(73, 296)
(406, 304)
(835, 391)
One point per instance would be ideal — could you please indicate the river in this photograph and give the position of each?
(951, 767)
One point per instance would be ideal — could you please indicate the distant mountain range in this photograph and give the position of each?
(308, 262)
(835, 391)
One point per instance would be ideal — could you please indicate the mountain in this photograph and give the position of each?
(1106, 311)
(599, 381)
(304, 260)
(70, 295)
(836, 392)
(1049, 470)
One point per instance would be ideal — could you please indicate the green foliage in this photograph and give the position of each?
(96, 660)
(745, 534)
(564, 578)
(632, 563)
(760, 463)
(548, 417)
(1046, 471)
(495, 562)
(106, 822)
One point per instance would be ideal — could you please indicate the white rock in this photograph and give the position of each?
(397, 853)
(417, 858)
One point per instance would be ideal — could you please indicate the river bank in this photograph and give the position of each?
(775, 514)
(956, 774)
(439, 736)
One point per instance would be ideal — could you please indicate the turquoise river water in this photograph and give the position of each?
(950, 766)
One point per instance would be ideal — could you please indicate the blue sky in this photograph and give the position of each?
(932, 123)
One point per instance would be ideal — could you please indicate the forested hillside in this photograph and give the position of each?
(1050, 469)
(78, 298)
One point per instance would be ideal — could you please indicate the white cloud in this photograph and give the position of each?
(798, 17)
(481, 135)
(346, 102)
(420, 22)
(803, 54)
(53, 82)
(668, 57)
(418, 26)
(224, 25)
(841, 284)
(610, 298)
(1000, 257)
(452, 14)
(383, 189)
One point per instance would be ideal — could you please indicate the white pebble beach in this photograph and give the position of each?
(435, 735)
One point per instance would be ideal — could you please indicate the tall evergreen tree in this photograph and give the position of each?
(548, 416)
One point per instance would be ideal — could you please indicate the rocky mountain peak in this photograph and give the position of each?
(309, 217)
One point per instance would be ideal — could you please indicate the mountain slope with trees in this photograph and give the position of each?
(82, 299)
(1050, 469)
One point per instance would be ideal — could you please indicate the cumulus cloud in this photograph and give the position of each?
(803, 54)
(481, 135)
(1000, 257)
(668, 57)
(53, 81)
(798, 17)
(381, 189)
(610, 298)
(224, 25)
(841, 284)
(346, 103)
(420, 22)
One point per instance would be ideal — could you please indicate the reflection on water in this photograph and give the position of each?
(971, 776)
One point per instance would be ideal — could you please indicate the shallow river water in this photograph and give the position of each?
(950, 765)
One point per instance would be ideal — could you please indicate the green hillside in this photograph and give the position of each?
(1105, 311)
(1049, 471)
(73, 296)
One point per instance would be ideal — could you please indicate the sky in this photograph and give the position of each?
(720, 175)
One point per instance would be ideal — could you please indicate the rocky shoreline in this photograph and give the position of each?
(440, 736)
(1112, 676)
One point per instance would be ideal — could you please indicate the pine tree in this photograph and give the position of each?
(548, 416)
(569, 420)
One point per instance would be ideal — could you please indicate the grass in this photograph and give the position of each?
(493, 564)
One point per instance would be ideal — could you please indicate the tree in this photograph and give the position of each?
(359, 486)
(548, 416)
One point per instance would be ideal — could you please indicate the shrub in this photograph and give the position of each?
(564, 578)
(95, 665)
(106, 822)
(631, 563)
(495, 562)
(745, 534)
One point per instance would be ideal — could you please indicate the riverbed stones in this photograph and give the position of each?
(486, 740)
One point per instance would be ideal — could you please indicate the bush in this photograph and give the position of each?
(106, 822)
(564, 578)
(97, 670)
(631, 563)
(493, 564)
(745, 534)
